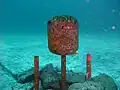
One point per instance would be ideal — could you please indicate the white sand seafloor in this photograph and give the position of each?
(17, 54)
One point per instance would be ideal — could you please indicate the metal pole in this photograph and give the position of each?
(36, 72)
(88, 67)
(63, 72)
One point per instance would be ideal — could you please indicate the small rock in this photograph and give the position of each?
(25, 77)
(75, 77)
(49, 77)
(106, 81)
(47, 68)
(89, 85)
(76, 86)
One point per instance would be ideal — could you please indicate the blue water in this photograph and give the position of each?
(23, 30)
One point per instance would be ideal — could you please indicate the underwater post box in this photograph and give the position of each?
(63, 35)
(63, 40)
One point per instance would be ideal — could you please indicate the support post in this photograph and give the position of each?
(88, 67)
(36, 72)
(63, 72)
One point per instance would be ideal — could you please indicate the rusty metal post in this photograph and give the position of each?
(36, 72)
(63, 72)
(88, 67)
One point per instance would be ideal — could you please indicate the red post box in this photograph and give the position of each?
(63, 40)
(63, 35)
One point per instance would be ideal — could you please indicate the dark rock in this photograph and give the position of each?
(49, 77)
(88, 85)
(72, 77)
(101, 82)
(75, 77)
(106, 81)
(26, 76)
(91, 85)
(47, 68)
(57, 69)
(76, 86)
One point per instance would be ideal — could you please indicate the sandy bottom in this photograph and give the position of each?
(17, 54)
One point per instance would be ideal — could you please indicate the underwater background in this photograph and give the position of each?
(23, 35)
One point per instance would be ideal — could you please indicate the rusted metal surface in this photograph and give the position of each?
(88, 64)
(36, 73)
(63, 35)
